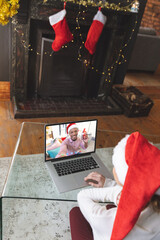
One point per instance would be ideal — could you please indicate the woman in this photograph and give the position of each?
(136, 196)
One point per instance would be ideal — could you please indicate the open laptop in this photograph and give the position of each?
(70, 153)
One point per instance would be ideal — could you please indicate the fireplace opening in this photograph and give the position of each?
(60, 73)
(54, 74)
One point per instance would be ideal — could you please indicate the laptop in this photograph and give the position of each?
(70, 153)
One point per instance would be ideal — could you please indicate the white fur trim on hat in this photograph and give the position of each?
(100, 17)
(119, 162)
(118, 159)
(55, 18)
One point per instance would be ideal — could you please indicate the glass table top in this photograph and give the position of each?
(28, 176)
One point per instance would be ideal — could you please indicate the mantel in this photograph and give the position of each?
(42, 9)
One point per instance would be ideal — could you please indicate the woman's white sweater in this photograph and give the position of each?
(92, 203)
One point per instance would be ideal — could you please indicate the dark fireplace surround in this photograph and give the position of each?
(37, 77)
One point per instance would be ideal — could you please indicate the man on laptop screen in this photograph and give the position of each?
(72, 144)
(70, 139)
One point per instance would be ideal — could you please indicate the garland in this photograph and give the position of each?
(8, 8)
(121, 6)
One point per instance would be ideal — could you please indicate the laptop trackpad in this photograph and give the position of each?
(79, 178)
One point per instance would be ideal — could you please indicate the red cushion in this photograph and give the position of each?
(80, 228)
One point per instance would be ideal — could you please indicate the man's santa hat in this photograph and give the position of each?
(137, 165)
(71, 126)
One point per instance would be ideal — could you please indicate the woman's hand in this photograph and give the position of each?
(95, 179)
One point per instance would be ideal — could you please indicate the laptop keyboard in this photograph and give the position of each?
(75, 166)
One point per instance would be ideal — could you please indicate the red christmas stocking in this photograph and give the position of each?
(62, 32)
(95, 31)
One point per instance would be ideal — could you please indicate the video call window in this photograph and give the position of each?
(69, 139)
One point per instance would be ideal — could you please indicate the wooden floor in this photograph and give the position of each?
(150, 125)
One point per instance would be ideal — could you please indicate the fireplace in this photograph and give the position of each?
(70, 81)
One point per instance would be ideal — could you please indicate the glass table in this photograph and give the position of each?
(29, 190)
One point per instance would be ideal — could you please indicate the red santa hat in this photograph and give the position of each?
(137, 165)
(71, 126)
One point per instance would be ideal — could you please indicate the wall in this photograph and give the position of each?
(5, 44)
(151, 17)
(4, 52)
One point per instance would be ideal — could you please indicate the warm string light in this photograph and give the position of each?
(121, 55)
(80, 34)
(87, 64)
(108, 71)
(78, 17)
(23, 42)
(112, 6)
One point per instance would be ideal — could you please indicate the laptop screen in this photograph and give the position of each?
(70, 139)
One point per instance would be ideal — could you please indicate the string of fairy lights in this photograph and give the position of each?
(107, 73)
(120, 56)
(123, 5)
